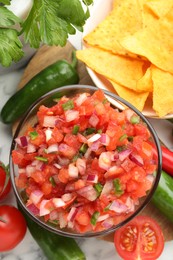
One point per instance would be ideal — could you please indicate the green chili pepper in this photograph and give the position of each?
(75, 129)
(94, 217)
(83, 148)
(98, 187)
(43, 159)
(89, 131)
(33, 135)
(117, 187)
(68, 105)
(134, 119)
(52, 181)
(54, 76)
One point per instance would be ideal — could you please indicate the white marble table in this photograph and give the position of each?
(28, 249)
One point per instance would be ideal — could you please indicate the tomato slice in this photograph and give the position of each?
(141, 238)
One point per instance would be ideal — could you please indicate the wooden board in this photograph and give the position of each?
(48, 55)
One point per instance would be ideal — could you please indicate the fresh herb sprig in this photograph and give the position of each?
(49, 22)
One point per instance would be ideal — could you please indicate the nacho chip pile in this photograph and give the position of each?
(133, 49)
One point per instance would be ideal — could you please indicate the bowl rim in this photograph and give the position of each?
(125, 221)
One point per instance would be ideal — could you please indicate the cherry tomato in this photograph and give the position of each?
(12, 227)
(141, 238)
(5, 183)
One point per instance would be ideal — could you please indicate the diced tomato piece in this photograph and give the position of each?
(82, 218)
(21, 181)
(46, 187)
(63, 175)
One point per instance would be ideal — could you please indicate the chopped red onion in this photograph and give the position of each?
(108, 186)
(54, 215)
(72, 214)
(108, 223)
(49, 121)
(102, 217)
(22, 141)
(30, 169)
(80, 99)
(94, 138)
(43, 209)
(66, 197)
(73, 171)
(71, 115)
(118, 207)
(87, 154)
(95, 146)
(52, 148)
(62, 220)
(105, 160)
(124, 154)
(33, 209)
(105, 139)
(58, 202)
(36, 196)
(93, 120)
(81, 165)
(88, 192)
(58, 166)
(62, 160)
(48, 133)
(92, 178)
(31, 148)
(130, 205)
(136, 159)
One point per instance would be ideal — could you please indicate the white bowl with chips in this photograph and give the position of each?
(100, 10)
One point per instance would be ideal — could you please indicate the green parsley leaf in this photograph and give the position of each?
(7, 18)
(10, 47)
(5, 2)
(51, 23)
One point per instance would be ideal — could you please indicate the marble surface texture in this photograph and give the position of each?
(93, 248)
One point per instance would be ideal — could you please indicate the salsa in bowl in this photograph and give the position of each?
(81, 167)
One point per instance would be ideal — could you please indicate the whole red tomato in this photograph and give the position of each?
(12, 227)
(5, 183)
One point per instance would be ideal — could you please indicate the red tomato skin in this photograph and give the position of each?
(138, 253)
(12, 228)
(5, 183)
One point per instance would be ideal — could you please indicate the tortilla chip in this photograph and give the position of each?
(162, 91)
(159, 7)
(154, 42)
(136, 99)
(145, 83)
(123, 20)
(122, 70)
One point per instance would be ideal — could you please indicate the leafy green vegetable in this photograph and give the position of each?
(10, 47)
(49, 22)
(5, 2)
(7, 18)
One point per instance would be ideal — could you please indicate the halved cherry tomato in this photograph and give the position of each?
(141, 238)
(12, 227)
(5, 183)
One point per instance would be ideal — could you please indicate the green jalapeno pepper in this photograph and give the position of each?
(56, 75)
